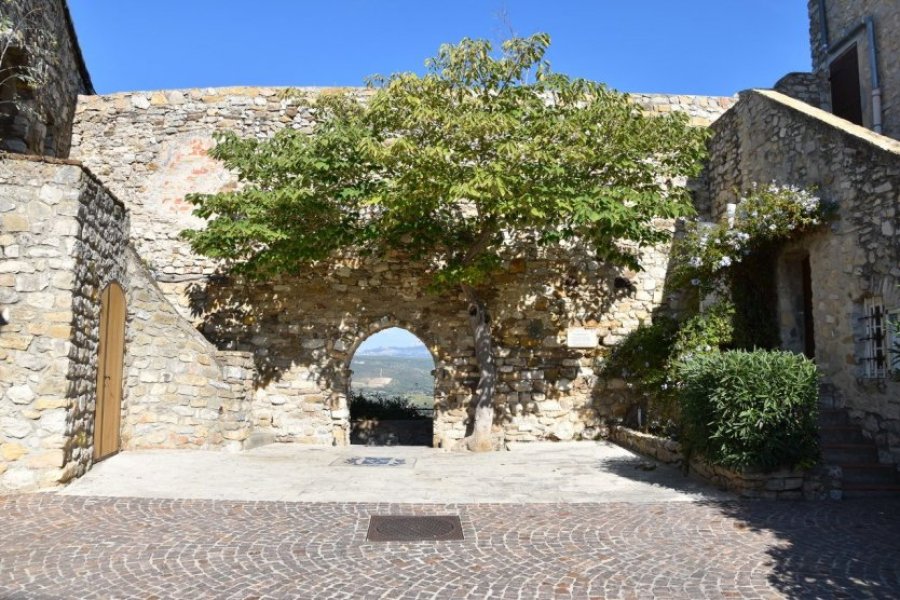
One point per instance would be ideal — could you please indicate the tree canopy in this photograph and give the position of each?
(484, 148)
(484, 151)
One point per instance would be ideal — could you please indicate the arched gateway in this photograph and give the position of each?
(391, 390)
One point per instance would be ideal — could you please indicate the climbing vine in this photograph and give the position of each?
(708, 253)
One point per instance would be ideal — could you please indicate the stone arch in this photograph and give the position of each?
(404, 432)
(349, 342)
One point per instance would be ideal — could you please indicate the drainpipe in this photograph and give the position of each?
(876, 83)
(830, 49)
(823, 20)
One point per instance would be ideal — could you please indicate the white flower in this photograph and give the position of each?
(695, 282)
(725, 261)
(696, 262)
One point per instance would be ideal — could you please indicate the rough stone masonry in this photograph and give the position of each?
(302, 332)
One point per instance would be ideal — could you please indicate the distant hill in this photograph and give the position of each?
(395, 375)
(418, 351)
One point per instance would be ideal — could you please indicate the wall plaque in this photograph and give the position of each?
(580, 337)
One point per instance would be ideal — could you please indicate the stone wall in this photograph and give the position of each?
(151, 148)
(845, 17)
(304, 330)
(805, 87)
(819, 483)
(180, 392)
(38, 119)
(63, 241)
(770, 137)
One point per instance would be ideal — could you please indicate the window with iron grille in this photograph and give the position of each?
(876, 360)
(893, 344)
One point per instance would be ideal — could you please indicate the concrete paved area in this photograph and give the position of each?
(61, 547)
(529, 473)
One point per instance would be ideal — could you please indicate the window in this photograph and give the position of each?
(875, 321)
(894, 341)
(846, 101)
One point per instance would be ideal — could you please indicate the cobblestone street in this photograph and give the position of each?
(54, 546)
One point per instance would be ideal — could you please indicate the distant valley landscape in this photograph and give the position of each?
(395, 371)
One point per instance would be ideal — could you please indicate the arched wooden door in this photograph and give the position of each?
(110, 360)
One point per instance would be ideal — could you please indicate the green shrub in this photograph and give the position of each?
(750, 409)
(381, 407)
(713, 329)
(642, 360)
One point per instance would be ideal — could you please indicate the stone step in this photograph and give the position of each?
(840, 454)
(841, 434)
(833, 417)
(870, 473)
(868, 490)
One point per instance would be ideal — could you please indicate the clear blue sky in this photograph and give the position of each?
(393, 337)
(714, 47)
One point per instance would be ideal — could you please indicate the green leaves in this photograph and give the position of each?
(486, 146)
(751, 409)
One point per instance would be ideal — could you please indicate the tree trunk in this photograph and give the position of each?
(480, 440)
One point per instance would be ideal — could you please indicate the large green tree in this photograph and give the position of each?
(452, 167)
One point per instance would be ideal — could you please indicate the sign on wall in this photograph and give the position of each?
(580, 337)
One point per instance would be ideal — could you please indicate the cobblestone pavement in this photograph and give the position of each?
(54, 546)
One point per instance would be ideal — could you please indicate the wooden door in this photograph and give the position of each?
(110, 360)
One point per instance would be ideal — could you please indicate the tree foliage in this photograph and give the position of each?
(483, 150)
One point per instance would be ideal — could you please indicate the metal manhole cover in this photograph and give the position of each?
(403, 528)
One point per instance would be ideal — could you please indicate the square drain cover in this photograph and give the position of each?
(403, 528)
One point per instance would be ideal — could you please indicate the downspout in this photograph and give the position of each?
(823, 20)
(876, 82)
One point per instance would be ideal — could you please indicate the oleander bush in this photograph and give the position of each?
(755, 409)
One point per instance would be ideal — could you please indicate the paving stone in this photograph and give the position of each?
(54, 546)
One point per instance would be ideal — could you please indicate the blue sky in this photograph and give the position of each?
(714, 47)
(710, 47)
(393, 337)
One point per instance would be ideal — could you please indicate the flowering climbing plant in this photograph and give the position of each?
(765, 214)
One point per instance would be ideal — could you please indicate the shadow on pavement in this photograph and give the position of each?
(822, 549)
(828, 549)
(649, 471)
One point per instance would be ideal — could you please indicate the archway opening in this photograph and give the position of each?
(391, 393)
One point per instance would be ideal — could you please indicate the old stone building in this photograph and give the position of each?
(116, 336)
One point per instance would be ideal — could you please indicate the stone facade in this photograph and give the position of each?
(770, 137)
(63, 242)
(37, 119)
(843, 25)
(152, 149)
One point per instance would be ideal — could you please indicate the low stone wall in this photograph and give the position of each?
(783, 484)
(392, 432)
(180, 391)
